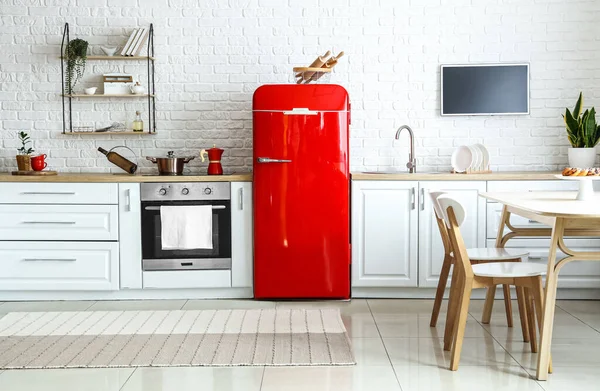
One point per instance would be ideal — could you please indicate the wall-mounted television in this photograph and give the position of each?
(485, 89)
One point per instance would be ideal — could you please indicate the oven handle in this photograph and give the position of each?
(158, 207)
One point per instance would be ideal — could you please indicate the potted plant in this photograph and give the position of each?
(24, 156)
(583, 133)
(76, 56)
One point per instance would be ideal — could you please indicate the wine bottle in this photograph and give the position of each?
(119, 161)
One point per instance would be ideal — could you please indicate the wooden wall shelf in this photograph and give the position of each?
(67, 99)
(110, 96)
(128, 133)
(118, 58)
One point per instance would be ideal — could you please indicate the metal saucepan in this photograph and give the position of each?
(170, 165)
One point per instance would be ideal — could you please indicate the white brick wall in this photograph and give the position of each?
(212, 55)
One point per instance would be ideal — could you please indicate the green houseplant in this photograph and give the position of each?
(76, 57)
(24, 156)
(583, 133)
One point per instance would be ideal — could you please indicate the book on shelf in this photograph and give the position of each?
(135, 42)
(141, 42)
(129, 41)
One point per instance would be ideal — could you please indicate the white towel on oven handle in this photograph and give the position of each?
(186, 227)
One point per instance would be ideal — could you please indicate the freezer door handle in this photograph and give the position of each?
(269, 160)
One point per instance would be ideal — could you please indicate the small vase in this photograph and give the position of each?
(582, 157)
(24, 162)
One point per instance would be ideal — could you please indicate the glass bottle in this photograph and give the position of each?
(138, 124)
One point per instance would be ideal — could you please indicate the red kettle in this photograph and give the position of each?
(214, 160)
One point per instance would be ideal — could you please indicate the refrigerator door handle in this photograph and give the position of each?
(269, 160)
(300, 111)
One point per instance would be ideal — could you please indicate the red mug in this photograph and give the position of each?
(38, 163)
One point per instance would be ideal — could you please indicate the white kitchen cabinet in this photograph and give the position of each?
(384, 233)
(241, 235)
(59, 222)
(59, 266)
(130, 236)
(431, 249)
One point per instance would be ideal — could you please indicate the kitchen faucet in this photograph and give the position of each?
(412, 163)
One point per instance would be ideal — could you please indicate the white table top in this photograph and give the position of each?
(549, 203)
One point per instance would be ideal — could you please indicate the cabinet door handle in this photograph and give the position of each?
(128, 200)
(241, 198)
(422, 200)
(50, 222)
(412, 198)
(49, 259)
(48, 193)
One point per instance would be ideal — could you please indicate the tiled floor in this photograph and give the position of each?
(394, 346)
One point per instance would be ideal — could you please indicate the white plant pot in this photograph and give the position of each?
(582, 157)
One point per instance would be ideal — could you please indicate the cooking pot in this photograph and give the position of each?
(170, 165)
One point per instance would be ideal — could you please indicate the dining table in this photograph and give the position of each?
(561, 215)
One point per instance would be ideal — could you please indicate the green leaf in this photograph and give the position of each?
(578, 106)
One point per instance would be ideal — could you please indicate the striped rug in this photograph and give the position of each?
(98, 339)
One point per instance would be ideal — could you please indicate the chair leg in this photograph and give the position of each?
(538, 297)
(531, 319)
(461, 323)
(523, 313)
(439, 294)
(508, 305)
(489, 305)
(453, 303)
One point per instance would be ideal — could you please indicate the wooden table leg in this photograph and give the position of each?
(545, 345)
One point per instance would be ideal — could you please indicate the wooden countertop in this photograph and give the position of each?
(446, 176)
(123, 178)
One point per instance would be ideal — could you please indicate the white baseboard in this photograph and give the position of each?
(130, 294)
(429, 293)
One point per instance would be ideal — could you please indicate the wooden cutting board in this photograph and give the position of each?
(34, 173)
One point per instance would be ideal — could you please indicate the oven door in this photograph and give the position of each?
(155, 258)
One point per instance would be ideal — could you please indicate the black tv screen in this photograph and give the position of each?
(490, 89)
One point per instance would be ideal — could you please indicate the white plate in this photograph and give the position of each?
(462, 158)
(477, 158)
(485, 164)
(578, 178)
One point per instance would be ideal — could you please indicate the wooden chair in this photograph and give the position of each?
(525, 276)
(476, 255)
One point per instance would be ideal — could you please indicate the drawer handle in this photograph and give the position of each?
(534, 222)
(158, 207)
(48, 193)
(49, 259)
(50, 222)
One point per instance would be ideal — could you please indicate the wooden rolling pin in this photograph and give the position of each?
(328, 65)
(318, 63)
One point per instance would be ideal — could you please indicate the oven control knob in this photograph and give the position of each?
(208, 191)
(185, 191)
(162, 191)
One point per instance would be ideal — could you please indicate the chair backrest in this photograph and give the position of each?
(439, 216)
(454, 215)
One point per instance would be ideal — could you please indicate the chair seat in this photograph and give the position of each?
(495, 254)
(509, 269)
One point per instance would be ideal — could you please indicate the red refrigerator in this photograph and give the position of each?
(301, 192)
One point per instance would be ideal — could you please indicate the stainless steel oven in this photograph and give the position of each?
(215, 194)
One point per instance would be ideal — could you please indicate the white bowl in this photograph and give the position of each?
(462, 159)
(109, 50)
(90, 90)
